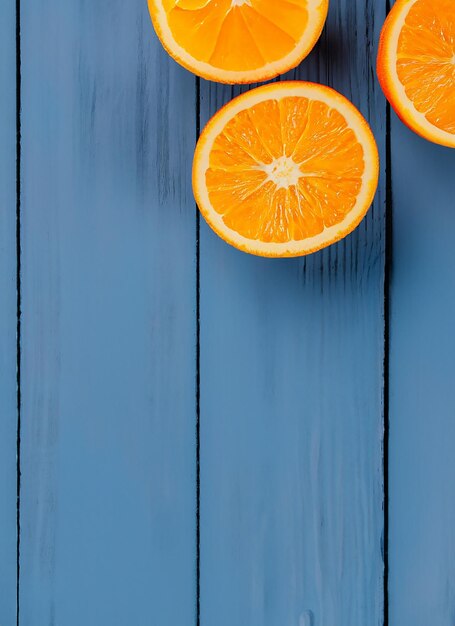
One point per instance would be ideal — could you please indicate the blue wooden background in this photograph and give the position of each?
(189, 435)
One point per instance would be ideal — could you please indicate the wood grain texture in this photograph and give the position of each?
(422, 372)
(292, 398)
(8, 314)
(108, 240)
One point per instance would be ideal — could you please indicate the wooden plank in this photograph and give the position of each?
(8, 314)
(109, 283)
(291, 398)
(422, 372)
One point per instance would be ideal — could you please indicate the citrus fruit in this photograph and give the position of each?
(238, 41)
(416, 66)
(285, 169)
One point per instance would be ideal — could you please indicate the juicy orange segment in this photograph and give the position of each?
(416, 66)
(238, 41)
(285, 169)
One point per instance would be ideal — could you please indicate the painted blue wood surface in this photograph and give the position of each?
(422, 375)
(108, 345)
(8, 400)
(291, 356)
(292, 398)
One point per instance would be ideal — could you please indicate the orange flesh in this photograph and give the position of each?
(426, 60)
(237, 34)
(285, 169)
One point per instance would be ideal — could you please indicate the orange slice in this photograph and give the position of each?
(285, 169)
(238, 41)
(416, 66)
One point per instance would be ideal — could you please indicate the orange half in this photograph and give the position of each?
(416, 66)
(285, 169)
(238, 41)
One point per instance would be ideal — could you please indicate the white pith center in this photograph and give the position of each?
(238, 3)
(283, 171)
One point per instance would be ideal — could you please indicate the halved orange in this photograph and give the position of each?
(416, 66)
(238, 41)
(285, 169)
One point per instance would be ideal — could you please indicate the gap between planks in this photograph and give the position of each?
(198, 376)
(19, 298)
